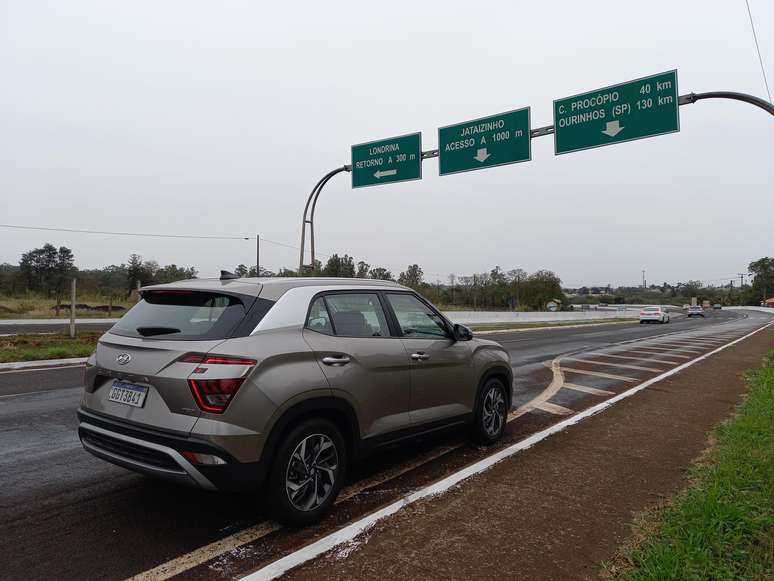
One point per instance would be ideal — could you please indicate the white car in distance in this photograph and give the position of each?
(654, 315)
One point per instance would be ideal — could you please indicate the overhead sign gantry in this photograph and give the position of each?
(636, 109)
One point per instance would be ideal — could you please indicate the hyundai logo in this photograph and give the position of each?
(123, 358)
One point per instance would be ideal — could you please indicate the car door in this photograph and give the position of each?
(442, 382)
(362, 361)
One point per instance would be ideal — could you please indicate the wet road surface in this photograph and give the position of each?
(67, 513)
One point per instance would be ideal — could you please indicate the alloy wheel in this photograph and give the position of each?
(311, 472)
(494, 411)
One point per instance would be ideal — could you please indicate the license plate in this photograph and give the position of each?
(128, 393)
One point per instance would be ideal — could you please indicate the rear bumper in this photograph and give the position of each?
(156, 454)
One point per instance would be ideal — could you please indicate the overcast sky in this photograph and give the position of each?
(217, 118)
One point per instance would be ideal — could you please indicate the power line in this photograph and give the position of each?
(758, 48)
(148, 234)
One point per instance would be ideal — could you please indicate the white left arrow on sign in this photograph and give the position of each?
(378, 174)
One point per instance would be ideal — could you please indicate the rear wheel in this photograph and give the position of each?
(308, 472)
(491, 412)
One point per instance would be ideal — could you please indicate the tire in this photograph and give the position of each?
(642, 322)
(318, 480)
(491, 412)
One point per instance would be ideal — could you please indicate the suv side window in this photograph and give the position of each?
(357, 315)
(415, 318)
(319, 319)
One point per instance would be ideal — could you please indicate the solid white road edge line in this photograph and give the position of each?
(348, 533)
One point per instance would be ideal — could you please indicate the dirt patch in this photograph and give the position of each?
(558, 510)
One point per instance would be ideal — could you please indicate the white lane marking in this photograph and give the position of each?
(552, 408)
(652, 353)
(600, 374)
(590, 390)
(670, 349)
(557, 381)
(39, 369)
(349, 532)
(608, 364)
(673, 346)
(648, 359)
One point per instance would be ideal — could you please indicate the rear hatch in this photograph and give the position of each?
(139, 361)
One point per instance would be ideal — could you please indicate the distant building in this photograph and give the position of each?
(769, 302)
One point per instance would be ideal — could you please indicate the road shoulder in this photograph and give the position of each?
(561, 508)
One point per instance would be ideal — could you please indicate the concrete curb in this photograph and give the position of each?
(42, 363)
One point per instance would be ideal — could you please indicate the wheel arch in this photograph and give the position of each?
(500, 372)
(334, 409)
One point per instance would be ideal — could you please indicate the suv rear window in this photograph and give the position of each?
(183, 315)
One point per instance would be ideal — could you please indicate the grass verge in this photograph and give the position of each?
(722, 526)
(53, 346)
(39, 307)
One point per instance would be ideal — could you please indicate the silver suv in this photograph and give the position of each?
(277, 385)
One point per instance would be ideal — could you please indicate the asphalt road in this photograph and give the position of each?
(70, 515)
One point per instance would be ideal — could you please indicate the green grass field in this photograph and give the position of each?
(722, 526)
(38, 307)
(47, 346)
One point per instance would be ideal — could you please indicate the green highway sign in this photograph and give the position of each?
(632, 110)
(397, 159)
(486, 142)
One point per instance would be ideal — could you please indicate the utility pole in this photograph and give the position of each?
(741, 279)
(72, 309)
(257, 255)
(643, 278)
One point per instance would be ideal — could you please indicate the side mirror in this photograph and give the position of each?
(462, 333)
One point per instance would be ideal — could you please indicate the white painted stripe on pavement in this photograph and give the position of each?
(648, 359)
(552, 408)
(590, 390)
(599, 374)
(609, 364)
(349, 532)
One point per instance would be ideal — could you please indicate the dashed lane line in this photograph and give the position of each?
(589, 390)
(600, 374)
(608, 364)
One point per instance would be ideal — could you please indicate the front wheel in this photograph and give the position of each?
(307, 473)
(491, 412)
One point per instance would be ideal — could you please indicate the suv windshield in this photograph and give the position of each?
(182, 315)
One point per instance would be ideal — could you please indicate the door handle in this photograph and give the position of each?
(335, 360)
(419, 356)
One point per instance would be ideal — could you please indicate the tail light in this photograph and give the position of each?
(214, 395)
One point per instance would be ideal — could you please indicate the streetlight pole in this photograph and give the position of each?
(257, 255)
(312, 199)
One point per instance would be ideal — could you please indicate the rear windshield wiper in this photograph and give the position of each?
(151, 331)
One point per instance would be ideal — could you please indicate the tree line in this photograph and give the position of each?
(48, 270)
